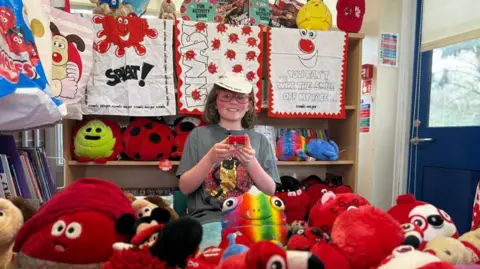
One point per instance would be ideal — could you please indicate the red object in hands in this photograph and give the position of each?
(236, 140)
(350, 15)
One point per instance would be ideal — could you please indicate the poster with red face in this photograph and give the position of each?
(207, 50)
(307, 73)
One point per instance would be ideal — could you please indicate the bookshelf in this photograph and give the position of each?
(133, 174)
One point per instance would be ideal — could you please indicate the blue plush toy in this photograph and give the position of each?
(322, 150)
(233, 248)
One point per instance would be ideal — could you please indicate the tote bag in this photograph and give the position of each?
(25, 97)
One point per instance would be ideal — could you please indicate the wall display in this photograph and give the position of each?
(365, 112)
(133, 71)
(72, 55)
(206, 50)
(307, 73)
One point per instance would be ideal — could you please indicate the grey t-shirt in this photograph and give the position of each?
(226, 179)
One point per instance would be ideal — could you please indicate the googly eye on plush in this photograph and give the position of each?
(2, 213)
(445, 215)
(74, 230)
(312, 34)
(276, 262)
(324, 191)
(229, 204)
(419, 221)
(278, 203)
(303, 32)
(58, 228)
(301, 231)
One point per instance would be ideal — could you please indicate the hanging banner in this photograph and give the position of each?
(72, 59)
(307, 73)
(206, 50)
(133, 73)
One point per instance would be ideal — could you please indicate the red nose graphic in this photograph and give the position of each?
(57, 57)
(306, 45)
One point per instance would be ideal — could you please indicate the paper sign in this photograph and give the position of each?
(389, 49)
(200, 10)
(260, 12)
(207, 50)
(365, 111)
(307, 73)
(133, 73)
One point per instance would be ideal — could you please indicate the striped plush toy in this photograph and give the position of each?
(257, 216)
(291, 146)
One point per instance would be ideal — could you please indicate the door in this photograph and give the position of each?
(445, 148)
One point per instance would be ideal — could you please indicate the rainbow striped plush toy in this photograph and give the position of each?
(257, 216)
(291, 147)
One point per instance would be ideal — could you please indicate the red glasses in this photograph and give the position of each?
(226, 96)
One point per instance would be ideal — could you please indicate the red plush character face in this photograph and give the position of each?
(296, 204)
(413, 236)
(148, 140)
(315, 193)
(16, 41)
(431, 220)
(183, 127)
(350, 15)
(79, 238)
(324, 213)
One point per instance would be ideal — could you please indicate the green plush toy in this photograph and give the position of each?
(97, 140)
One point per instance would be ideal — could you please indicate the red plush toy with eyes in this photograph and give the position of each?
(75, 227)
(432, 220)
(148, 140)
(182, 128)
(326, 211)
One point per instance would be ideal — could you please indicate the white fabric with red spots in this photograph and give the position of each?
(207, 50)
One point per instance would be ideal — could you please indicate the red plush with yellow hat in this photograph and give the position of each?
(75, 227)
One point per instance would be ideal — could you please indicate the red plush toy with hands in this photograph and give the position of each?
(432, 220)
(324, 213)
(305, 239)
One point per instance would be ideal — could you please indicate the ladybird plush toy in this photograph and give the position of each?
(146, 139)
(98, 140)
(331, 206)
(432, 220)
(182, 128)
(75, 228)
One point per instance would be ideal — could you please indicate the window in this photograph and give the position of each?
(455, 85)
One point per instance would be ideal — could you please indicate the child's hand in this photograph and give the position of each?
(246, 153)
(221, 151)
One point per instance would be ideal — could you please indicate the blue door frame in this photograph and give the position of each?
(447, 169)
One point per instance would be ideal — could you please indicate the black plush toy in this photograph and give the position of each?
(178, 240)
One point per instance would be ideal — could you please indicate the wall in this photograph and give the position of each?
(376, 153)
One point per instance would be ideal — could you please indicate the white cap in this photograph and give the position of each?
(234, 82)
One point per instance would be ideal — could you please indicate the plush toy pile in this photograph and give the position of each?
(93, 224)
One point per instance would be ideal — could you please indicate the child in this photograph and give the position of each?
(211, 170)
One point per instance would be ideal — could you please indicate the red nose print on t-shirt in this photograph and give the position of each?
(306, 45)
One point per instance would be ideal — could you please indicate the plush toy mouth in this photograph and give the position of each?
(60, 247)
(248, 217)
(92, 137)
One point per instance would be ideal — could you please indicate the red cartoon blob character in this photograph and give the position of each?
(76, 226)
(251, 55)
(7, 19)
(190, 55)
(250, 76)
(66, 62)
(432, 220)
(307, 46)
(252, 42)
(230, 54)
(246, 30)
(238, 68)
(33, 53)
(326, 211)
(16, 40)
(233, 38)
(124, 32)
(221, 28)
